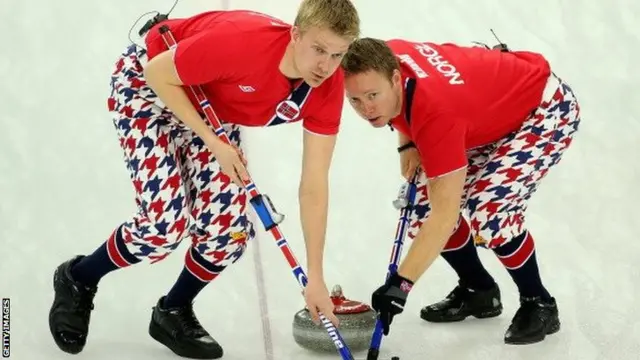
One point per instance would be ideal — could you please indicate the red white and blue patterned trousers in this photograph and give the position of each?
(502, 177)
(180, 190)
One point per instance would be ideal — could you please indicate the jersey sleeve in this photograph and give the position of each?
(441, 144)
(326, 116)
(211, 55)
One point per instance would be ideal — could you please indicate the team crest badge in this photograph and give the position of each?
(479, 241)
(288, 110)
(239, 235)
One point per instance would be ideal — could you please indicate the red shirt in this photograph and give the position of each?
(465, 97)
(234, 56)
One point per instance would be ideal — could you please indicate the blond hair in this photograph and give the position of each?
(338, 16)
(368, 54)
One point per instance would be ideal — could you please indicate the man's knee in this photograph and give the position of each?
(171, 231)
(154, 241)
(495, 229)
(228, 244)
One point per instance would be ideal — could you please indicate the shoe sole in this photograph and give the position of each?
(554, 328)
(479, 315)
(166, 339)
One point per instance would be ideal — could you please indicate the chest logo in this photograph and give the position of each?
(246, 88)
(288, 110)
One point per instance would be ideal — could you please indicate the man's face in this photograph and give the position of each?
(375, 97)
(317, 53)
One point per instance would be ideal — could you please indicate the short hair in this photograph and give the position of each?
(368, 54)
(338, 16)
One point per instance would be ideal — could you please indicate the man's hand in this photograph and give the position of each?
(231, 160)
(317, 297)
(409, 162)
(389, 299)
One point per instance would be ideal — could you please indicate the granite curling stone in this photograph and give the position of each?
(357, 322)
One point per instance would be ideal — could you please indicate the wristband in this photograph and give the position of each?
(406, 146)
(400, 282)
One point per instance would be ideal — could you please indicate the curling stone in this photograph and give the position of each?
(357, 322)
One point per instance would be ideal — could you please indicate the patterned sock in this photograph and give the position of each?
(519, 258)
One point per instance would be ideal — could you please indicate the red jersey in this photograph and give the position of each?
(235, 57)
(464, 97)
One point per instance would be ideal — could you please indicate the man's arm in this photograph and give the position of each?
(402, 139)
(409, 156)
(314, 198)
(445, 193)
(209, 56)
(160, 73)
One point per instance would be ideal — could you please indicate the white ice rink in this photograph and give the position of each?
(64, 187)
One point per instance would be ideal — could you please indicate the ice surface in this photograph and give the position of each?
(64, 187)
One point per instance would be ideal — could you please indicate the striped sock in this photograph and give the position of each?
(195, 275)
(519, 258)
(461, 254)
(110, 256)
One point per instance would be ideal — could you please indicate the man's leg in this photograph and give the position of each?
(219, 211)
(152, 157)
(219, 238)
(477, 294)
(497, 207)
